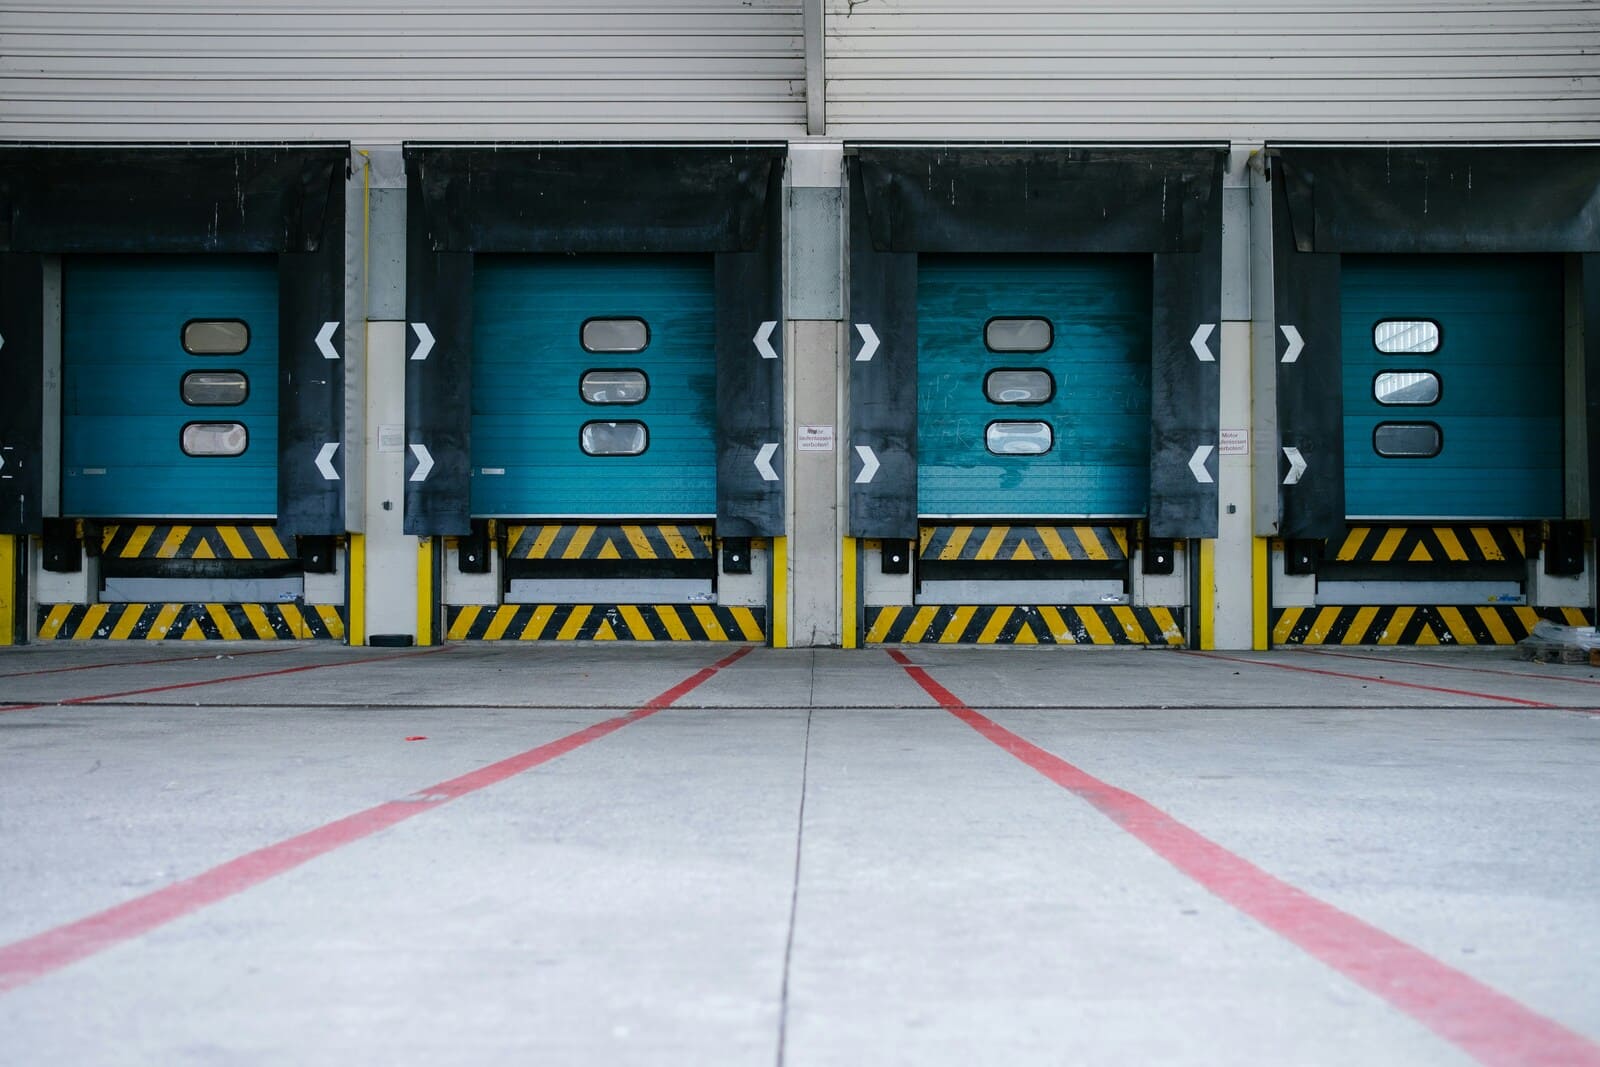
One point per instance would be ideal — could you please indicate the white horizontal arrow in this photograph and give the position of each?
(1200, 342)
(424, 341)
(1296, 343)
(2, 462)
(325, 340)
(869, 342)
(2, 341)
(325, 461)
(869, 464)
(763, 340)
(1297, 466)
(764, 462)
(1197, 463)
(424, 463)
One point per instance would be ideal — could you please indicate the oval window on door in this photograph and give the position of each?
(614, 438)
(1019, 438)
(1407, 440)
(215, 337)
(615, 335)
(1018, 334)
(1413, 336)
(1018, 386)
(215, 439)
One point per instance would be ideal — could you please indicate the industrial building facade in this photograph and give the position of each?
(865, 322)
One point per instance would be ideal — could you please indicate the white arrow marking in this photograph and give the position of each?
(2, 462)
(424, 463)
(2, 341)
(1197, 463)
(869, 342)
(325, 461)
(869, 464)
(764, 462)
(763, 340)
(325, 340)
(1296, 343)
(424, 340)
(1200, 342)
(1297, 466)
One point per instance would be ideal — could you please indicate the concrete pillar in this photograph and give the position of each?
(814, 310)
(384, 568)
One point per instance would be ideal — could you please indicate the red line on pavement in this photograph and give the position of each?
(1380, 681)
(1480, 1020)
(1400, 662)
(143, 662)
(24, 961)
(216, 681)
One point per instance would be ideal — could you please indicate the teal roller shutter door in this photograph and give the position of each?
(123, 363)
(528, 362)
(1099, 464)
(1500, 365)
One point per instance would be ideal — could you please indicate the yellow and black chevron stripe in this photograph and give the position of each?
(1018, 543)
(989, 624)
(606, 622)
(192, 542)
(1430, 544)
(1416, 624)
(190, 622)
(636, 541)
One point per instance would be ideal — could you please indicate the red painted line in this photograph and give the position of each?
(141, 662)
(1399, 662)
(1379, 681)
(24, 961)
(1482, 1021)
(215, 681)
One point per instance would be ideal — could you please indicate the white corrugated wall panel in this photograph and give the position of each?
(1250, 70)
(376, 71)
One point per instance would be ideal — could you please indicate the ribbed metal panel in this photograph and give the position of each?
(387, 70)
(1251, 70)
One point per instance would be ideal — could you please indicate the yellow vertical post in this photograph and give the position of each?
(1208, 593)
(356, 601)
(780, 592)
(1262, 611)
(8, 589)
(850, 591)
(425, 591)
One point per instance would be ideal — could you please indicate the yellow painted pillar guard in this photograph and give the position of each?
(780, 592)
(425, 599)
(1261, 613)
(356, 561)
(8, 589)
(1205, 624)
(850, 592)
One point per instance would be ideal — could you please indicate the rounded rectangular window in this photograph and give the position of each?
(1406, 387)
(215, 337)
(215, 439)
(614, 386)
(1413, 336)
(1009, 386)
(615, 335)
(215, 388)
(1407, 440)
(1018, 335)
(614, 438)
(1019, 438)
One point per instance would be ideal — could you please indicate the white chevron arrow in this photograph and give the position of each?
(869, 342)
(1296, 343)
(424, 340)
(424, 463)
(1200, 342)
(763, 340)
(2, 462)
(325, 340)
(1197, 463)
(764, 462)
(325, 461)
(1297, 466)
(869, 464)
(2, 341)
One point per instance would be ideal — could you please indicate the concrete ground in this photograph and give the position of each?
(612, 855)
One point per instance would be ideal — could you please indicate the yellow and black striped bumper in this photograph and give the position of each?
(1430, 544)
(606, 622)
(236, 542)
(190, 622)
(1416, 624)
(1010, 544)
(631, 542)
(1024, 625)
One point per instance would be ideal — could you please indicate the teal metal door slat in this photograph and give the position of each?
(1500, 368)
(123, 363)
(1099, 463)
(528, 362)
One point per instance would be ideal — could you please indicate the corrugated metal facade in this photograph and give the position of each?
(374, 71)
(1250, 70)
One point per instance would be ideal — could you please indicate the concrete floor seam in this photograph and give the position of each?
(794, 897)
